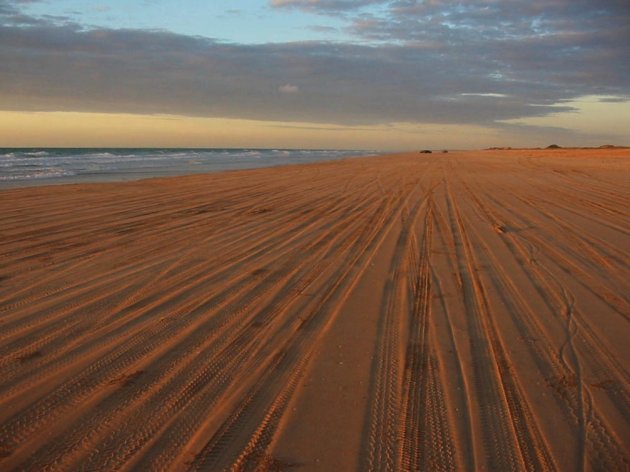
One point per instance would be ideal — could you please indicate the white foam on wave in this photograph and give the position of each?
(41, 174)
(36, 153)
(101, 154)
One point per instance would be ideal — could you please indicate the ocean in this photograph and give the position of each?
(42, 166)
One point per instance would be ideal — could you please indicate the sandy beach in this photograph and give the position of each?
(434, 312)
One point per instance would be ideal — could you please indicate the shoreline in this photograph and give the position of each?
(53, 166)
(148, 178)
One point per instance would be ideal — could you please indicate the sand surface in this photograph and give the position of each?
(460, 311)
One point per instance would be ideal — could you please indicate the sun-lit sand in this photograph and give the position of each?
(459, 311)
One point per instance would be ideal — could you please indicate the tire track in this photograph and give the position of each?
(240, 350)
(427, 442)
(209, 278)
(383, 429)
(213, 456)
(523, 247)
(576, 401)
(502, 447)
(136, 342)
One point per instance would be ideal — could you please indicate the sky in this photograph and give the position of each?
(359, 74)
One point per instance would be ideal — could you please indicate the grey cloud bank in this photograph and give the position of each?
(434, 61)
(325, 6)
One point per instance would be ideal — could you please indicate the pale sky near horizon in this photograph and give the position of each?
(362, 74)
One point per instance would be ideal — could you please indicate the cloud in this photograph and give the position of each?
(436, 61)
(12, 6)
(324, 6)
(8, 7)
(490, 94)
(11, 14)
(288, 88)
(64, 68)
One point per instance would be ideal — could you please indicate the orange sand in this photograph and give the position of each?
(408, 312)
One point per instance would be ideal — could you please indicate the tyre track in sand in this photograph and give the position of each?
(529, 248)
(186, 380)
(427, 442)
(242, 348)
(596, 443)
(144, 341)
(509, 441)
(384, 429)
(263, 420)
(227, 265)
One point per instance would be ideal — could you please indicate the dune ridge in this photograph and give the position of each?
(455, 311)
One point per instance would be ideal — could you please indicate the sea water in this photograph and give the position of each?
(36, 166)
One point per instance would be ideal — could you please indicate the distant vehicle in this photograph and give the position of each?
(425, 151)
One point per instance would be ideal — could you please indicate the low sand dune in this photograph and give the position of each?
(408, 312)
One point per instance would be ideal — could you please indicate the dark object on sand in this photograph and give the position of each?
(444, 151)
(425, 151)
(553, 146)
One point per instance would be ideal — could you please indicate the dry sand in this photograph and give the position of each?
(408, 312)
